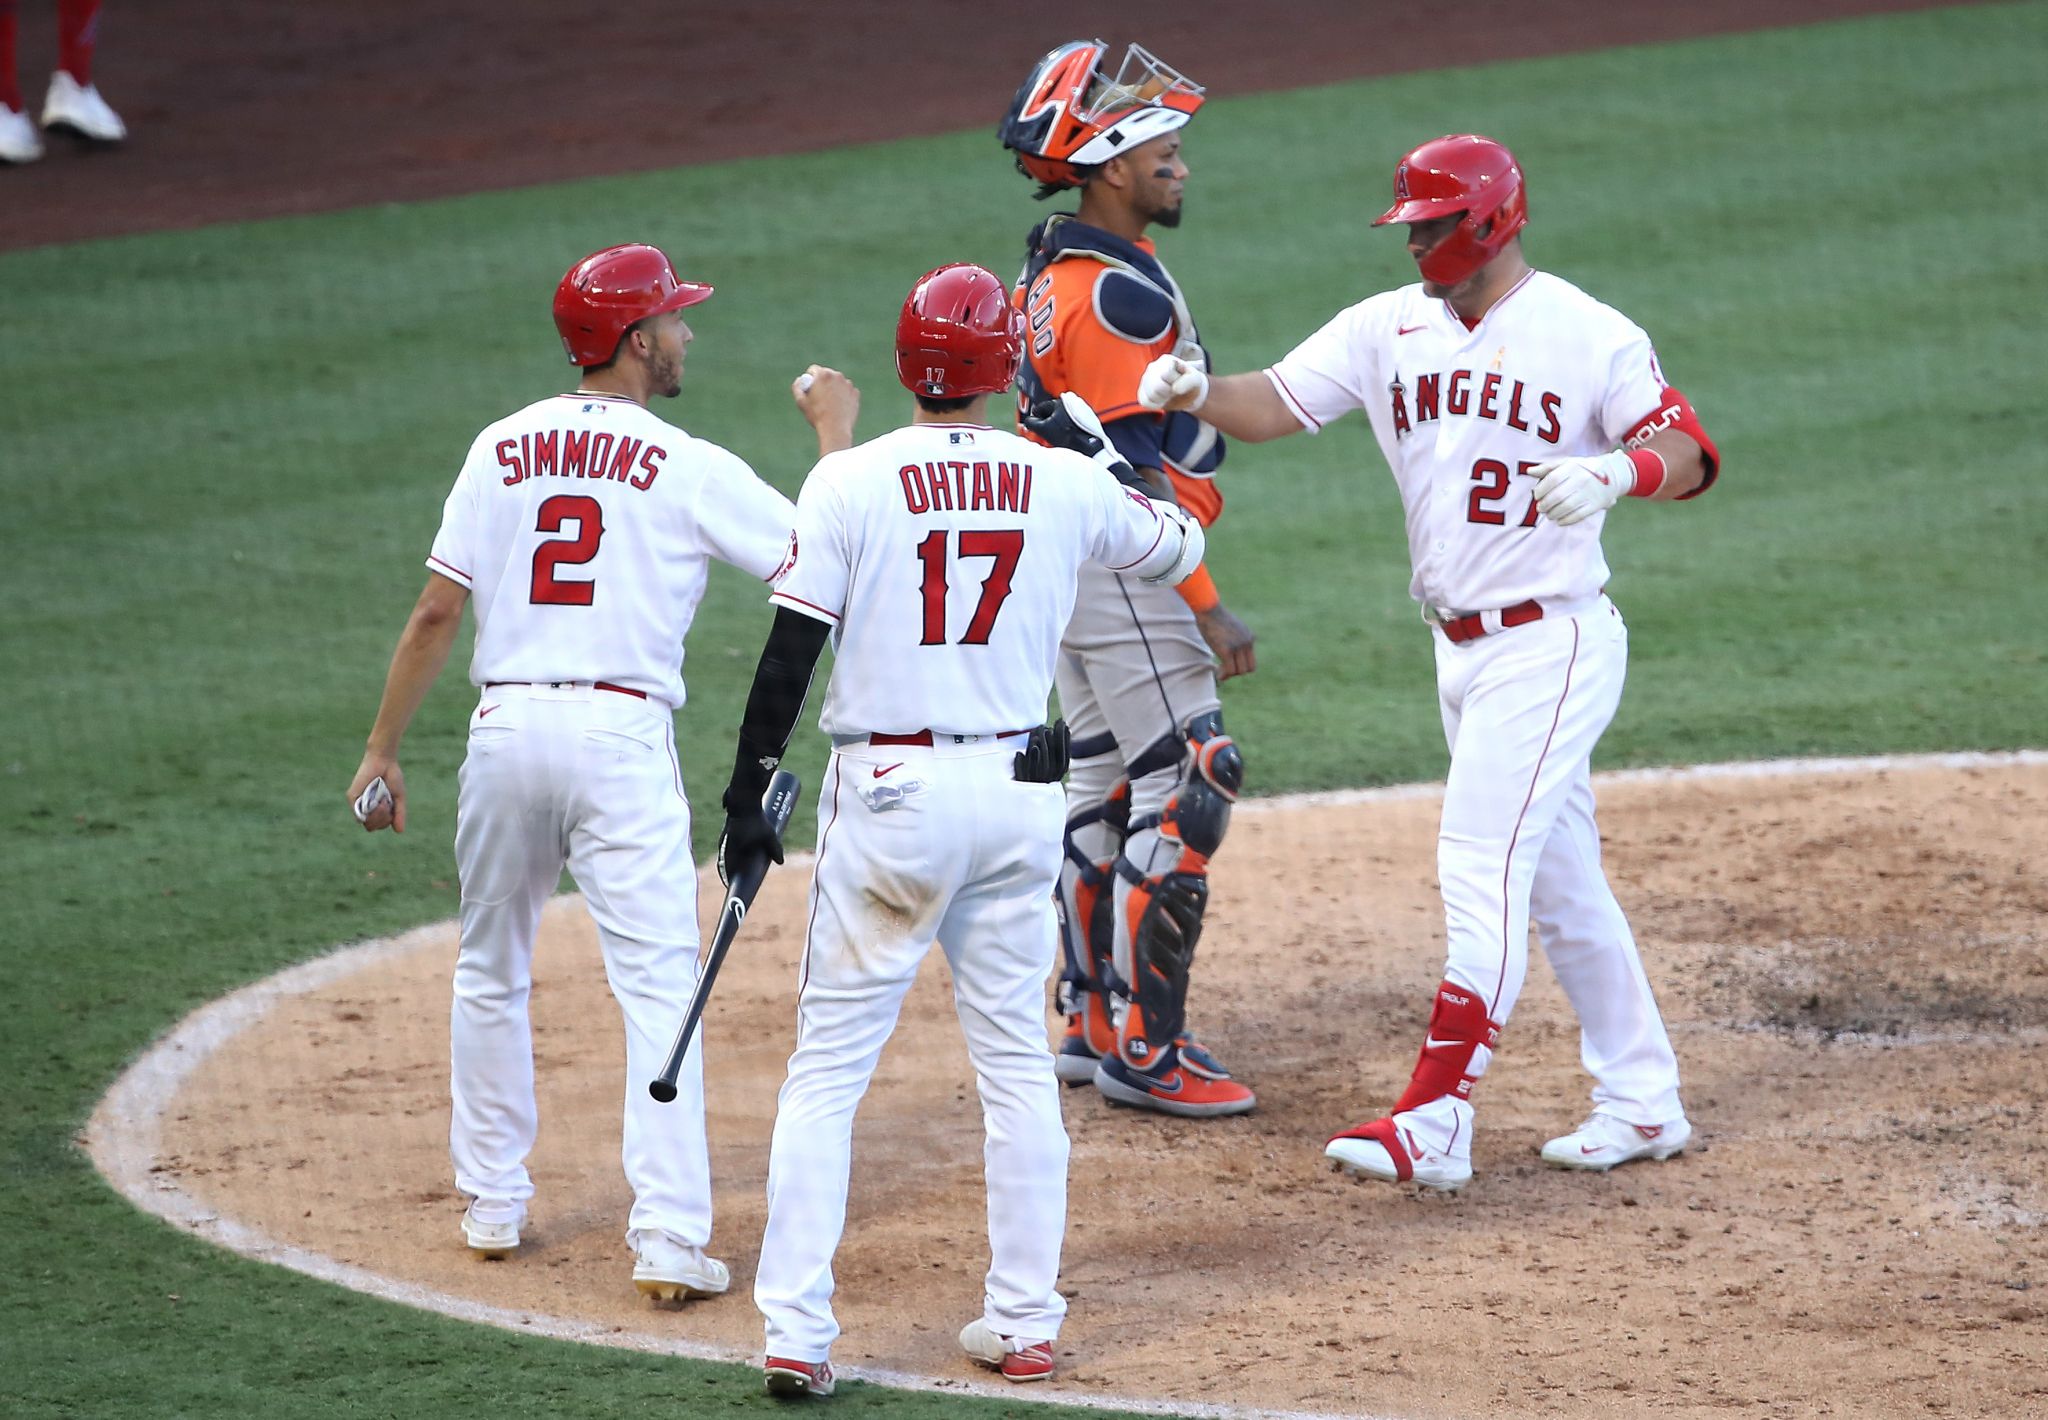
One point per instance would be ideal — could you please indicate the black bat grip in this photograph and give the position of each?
(778, 804)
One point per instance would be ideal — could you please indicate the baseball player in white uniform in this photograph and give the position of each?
(941, 560)
(583, 526)
(1499, 395)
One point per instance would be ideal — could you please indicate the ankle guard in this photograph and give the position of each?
(1456, 1051)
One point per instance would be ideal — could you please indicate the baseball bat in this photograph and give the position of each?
(778, 803)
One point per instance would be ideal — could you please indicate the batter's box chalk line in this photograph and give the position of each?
(124, 1136)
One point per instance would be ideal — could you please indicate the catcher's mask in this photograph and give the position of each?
(1460, 173)
(609, 290)
(958, 335)
(1071, 116)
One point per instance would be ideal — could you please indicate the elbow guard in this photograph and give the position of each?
(1676, 412)
(1193, 544)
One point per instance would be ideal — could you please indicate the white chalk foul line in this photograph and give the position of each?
(124, 1136)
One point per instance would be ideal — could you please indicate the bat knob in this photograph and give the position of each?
(663, 1090)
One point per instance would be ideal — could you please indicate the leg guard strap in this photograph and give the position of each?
(1381, 1132)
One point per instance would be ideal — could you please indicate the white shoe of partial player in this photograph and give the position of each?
(19, 141)
(670, 1271)
(78, 108)
(1018, 1358)
(1402, 1149)
(1603, 1141)
(491, 1227)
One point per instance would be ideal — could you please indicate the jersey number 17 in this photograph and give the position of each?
(1004, 545)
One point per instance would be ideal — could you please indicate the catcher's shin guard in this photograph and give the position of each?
(1155, 1058)
(1087, 917)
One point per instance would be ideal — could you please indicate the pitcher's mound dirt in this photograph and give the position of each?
(1855, 975)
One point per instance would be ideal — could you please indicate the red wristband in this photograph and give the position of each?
(1650, 471)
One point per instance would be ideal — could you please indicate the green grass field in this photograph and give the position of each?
(224, 453)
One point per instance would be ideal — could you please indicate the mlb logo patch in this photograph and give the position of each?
(961, 436)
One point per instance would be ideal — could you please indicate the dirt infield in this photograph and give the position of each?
(1857, 982)
(247, 108)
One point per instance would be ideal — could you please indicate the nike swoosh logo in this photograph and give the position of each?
(1410, 329)
(887, 767)
(1413, 1152)
(485, 711)
(1590, 1148)
(1432, 1043)
(1604, 479)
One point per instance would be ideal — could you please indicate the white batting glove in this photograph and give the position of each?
(1572, 490)
(1173, 383)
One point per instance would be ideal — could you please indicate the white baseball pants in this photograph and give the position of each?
(589, 778)
(1522, 711)
(968, 856)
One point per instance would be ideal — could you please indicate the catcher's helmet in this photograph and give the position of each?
(609, 290)
(958, 334)
(1460, 173)
(1071, 116)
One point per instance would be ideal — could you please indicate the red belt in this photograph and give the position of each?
(1471, 628)
(595, 685)
(925, 737)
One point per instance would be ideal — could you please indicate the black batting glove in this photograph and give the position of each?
(748, 836)
(1043, 760)
(1052, 421)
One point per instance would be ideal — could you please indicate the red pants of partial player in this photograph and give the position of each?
(77, 32)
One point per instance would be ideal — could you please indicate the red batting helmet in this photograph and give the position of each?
(958, 334)
(609, 290)
(1461, 173)
(1070, 116)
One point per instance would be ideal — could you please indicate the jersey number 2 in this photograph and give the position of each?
(1005, 546)
(548, 590)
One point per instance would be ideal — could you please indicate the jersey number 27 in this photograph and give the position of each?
(1005, 546)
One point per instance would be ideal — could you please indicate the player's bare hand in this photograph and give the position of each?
(1173, 383)
(1230, 640)
(1571, 490)
(376, 810)
(830, 402)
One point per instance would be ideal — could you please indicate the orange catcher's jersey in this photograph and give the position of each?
(1100, 309)
(945, 556)
(1461, 416)
(583, 526)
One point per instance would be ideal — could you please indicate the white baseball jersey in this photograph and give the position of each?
(1461, 415)
(583, 525)
(944, 556)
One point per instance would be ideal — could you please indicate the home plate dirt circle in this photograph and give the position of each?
(1851, 956)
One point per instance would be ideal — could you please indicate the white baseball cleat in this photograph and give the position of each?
(1402, 1149)
(1603, 1141)
(19, 142)
(792, 1378)
(491, 1228)
(1018, 1358)
(670, 1271)
(78, 108)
